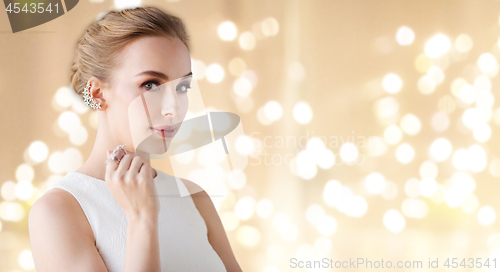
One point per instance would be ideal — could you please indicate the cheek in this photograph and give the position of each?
(128, 112)
(121, 100)
(135, 122)
(120, 122)
(183, 106)
(136, 113)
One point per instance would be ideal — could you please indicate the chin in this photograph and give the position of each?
(154, 146)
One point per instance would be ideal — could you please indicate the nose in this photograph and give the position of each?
(169, 103)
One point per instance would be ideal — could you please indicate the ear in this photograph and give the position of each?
(97, 91)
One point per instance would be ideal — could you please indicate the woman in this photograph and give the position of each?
(102, 217)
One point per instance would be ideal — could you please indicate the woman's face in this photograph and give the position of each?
(135, 104)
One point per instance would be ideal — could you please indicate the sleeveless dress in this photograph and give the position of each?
(182, 232)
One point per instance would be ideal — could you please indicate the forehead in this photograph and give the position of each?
(158, 54)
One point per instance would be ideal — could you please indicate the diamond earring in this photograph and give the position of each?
(89, 100)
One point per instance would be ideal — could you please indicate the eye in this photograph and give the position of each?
(150, 84)
(184, 87)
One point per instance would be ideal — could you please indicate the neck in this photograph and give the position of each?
(105, 140)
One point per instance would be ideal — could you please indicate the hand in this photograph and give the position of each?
(131, 184)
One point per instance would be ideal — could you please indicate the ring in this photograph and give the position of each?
(113, 154)
(113, 158)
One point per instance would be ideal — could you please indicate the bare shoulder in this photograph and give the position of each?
(61, 206)
(216, 233)
(192, 187)
(60, 235)
(201, 200)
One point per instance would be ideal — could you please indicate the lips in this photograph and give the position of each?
(167, 131)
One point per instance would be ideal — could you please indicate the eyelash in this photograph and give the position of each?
(188, 86)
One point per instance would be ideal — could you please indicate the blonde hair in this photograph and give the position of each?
(98, 49)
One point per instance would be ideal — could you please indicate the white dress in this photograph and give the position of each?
(182, 232)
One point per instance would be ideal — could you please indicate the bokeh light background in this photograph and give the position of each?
(370, 124)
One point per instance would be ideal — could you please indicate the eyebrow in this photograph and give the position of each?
(159, 74)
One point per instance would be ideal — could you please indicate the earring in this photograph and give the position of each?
(89, 100)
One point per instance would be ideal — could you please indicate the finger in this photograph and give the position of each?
(108, 156)
(136, 164)
(110, 168)
(125, 163)
(145, 170)
(119, 154)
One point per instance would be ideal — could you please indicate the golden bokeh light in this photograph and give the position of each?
(437, 46)
(440, 149)
(349, 152)
(375, 183)
(486, 215)
(422, 63)
(428, 169)
(270, 27)
(410, 124)
(394, 221)
(237, 66)
(463, 43)
(414, 208)
(440, 121)
(227, 31)
(302, 112)
(426, 84)
(273, 110)
(38, 151)
(215, 73)
(296, 71)
(427, 187)
(247, 41)
(405, 36)
(392, 83)
(488, 64)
